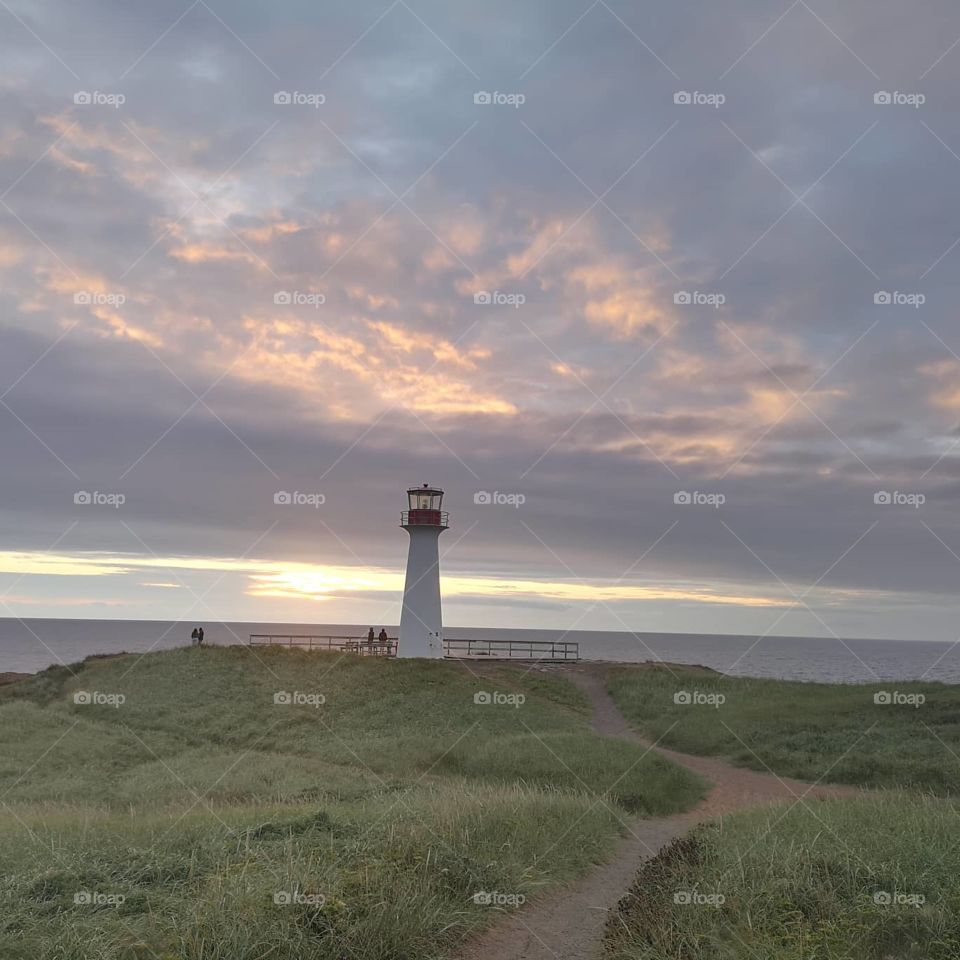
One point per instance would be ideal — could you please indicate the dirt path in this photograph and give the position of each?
(569, 924)
(6, 678)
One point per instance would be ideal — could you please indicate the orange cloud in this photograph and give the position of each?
(617, 300)
(268, 232)
(946, 377)
(211, 252)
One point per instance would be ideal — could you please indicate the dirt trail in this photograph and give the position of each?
(569, 924)
(6, 678)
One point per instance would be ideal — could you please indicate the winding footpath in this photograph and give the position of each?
(569, 924)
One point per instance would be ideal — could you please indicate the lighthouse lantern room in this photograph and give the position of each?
(421, 621)
(424, 503)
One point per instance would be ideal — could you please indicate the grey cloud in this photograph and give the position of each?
(798, 296)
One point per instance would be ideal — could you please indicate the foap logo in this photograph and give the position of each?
(295, 898)
(894, 698)
(285, 98)
(298, 298)
(483, 98)
(92, 898)
(284, 698)
(497, 298)
(699, 499)
(895, 298)
(94, 298)
(96, 98)
(484, 698)
(94, 698)
(896, 98)
(884, 898)
(696, 98)
(86, 498)
(494, 898)
(283, 498)
(498, 499)
(697, 298)
(884, 498)
(696, 698)
(694, 898)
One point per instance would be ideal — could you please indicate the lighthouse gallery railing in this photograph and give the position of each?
(424, 518)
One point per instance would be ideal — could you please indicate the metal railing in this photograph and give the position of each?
(425, 518)
(547, 651)
(359, 645)
(544, 651)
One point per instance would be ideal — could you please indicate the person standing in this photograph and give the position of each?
(199, 636)
(194, 636)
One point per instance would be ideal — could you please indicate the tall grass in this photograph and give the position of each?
(175, 823)
(862, 879)
(811, 731)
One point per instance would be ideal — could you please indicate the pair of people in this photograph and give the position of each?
(382, 637)
(197, 636)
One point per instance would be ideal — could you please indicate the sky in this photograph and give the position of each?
(663, 296)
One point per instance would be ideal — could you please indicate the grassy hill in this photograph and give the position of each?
(232, 804)
(872, 735)
(872, 877)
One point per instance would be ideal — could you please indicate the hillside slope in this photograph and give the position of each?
(213, 803)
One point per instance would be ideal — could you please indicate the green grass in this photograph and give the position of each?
(861, 879)
(186, 810)
(811, 731)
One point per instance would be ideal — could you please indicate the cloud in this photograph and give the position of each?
(591, 388)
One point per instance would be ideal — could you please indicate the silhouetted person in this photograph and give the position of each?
(383, 635)
(199, 636)
(370, 636)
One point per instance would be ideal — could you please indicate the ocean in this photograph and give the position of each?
(30, 645)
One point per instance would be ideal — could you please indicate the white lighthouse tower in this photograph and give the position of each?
(421, 623)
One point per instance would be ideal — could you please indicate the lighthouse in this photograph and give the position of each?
(421, 623)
